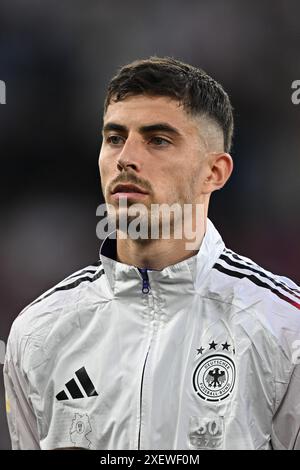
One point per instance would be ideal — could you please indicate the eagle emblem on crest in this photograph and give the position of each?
(215, 378)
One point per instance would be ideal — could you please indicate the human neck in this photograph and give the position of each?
(153, 254)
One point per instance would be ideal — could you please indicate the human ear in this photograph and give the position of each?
(220, 169)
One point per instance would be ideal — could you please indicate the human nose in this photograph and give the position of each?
(130, 156)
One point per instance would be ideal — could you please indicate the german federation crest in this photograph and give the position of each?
(214, 377)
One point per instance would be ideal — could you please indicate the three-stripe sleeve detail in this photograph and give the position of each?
(236, 268)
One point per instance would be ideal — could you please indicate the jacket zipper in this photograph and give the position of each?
(141, 402)
(145, 284)
(145, 290)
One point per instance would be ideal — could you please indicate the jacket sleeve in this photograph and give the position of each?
(21, 419)
(286, 421)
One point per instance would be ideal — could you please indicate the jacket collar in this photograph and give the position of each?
(190, 273)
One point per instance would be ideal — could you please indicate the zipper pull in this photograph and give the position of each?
(146, 284)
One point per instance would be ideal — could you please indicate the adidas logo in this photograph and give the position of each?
(74, 389)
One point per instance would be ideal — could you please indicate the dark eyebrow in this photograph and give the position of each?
(158, 127)
(112, 126)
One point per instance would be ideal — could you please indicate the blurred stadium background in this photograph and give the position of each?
(56, 58)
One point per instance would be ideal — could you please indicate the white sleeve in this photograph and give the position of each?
(286, 422)
(21, 419)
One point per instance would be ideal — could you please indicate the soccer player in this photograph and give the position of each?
(162, 344)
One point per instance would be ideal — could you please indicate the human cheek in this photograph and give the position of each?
(104, 162)
(105, 169)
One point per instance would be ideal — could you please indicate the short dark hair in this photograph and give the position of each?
(164, 76)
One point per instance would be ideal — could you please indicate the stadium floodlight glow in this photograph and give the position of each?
(2, 92)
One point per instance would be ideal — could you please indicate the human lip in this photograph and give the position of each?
(130, 195)
(128, 190)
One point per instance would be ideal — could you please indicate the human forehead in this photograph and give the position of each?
(139, 110)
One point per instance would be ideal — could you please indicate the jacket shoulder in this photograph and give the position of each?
(241, 272)
(272, 299)
(37, 318)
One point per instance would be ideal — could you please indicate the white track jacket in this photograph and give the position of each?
(203, 354)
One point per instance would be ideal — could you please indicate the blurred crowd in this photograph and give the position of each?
(56, 58)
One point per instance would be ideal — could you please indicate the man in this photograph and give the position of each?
(161, 344)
